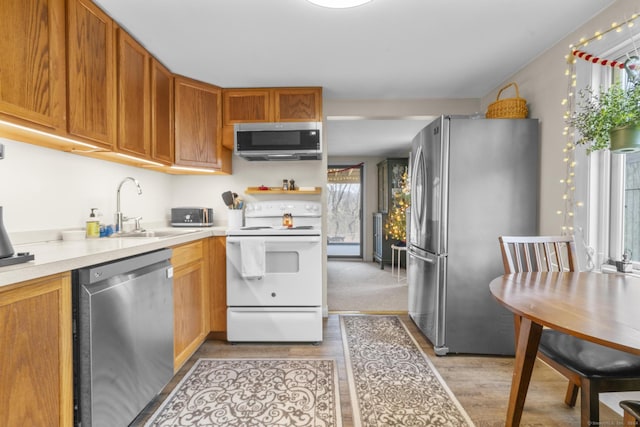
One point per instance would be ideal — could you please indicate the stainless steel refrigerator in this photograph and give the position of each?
(472, 180)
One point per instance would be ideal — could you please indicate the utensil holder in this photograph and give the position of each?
(234, 219)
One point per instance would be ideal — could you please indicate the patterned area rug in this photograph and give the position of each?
(392, 382)
(247, 393)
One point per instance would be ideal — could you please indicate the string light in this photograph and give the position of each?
(396, 224)
(576, 51)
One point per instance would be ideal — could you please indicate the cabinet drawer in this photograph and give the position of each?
(187, 253)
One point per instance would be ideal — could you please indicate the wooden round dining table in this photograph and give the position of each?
(602, 308)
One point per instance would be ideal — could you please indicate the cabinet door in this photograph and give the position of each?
(36, 368)
(246, 106)
(298, 104)
(161, 113)
(190, 300)
(32, 61)
(198, 124)
(91, 73)
(218, 282)
(133, 97)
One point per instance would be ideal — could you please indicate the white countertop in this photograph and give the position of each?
(57, 256)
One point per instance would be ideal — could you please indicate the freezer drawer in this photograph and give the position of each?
(274, 324)
(427, 296)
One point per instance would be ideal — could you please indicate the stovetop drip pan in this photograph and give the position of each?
(18, 258)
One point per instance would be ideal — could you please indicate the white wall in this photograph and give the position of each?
(45, 189)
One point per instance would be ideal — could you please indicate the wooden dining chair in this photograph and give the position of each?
(590, 368)
(631, 417)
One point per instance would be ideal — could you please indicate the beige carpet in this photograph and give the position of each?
(254, 392)
(392, 382)
(363, 286)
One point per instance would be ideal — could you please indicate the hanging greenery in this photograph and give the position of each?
(605, 111)
(395, 226)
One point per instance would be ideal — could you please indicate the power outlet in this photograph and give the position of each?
(1, 151)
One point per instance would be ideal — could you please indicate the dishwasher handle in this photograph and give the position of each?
(98, 273)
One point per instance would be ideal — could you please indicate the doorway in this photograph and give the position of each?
(344, 207)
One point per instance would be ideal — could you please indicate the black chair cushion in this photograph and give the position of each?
(632, 407)
(586, 358)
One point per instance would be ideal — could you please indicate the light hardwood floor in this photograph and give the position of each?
(481, 383)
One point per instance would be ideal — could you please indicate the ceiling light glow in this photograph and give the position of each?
(339, 4)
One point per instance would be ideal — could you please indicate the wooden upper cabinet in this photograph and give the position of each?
(32, 62)
(272, 105)
(161, 113)
(91, 84)
(246, 105)
(134, 100)
(298, 105)
(198, 124)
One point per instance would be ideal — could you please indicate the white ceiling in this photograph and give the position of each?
(385, 50)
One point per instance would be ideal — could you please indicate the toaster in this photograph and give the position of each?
(192, 217)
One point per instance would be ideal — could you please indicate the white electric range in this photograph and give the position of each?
(274, 274)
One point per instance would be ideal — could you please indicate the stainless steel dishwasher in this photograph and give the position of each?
(123, 337)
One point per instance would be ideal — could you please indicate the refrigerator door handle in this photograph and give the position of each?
(429, 260)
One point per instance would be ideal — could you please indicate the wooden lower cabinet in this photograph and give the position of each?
(190, 299)
(218, 283)
(36, 367)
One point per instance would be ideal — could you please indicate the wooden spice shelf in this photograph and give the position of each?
(278, 190)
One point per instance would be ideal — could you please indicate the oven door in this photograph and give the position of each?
(292, 275)
(282, 304)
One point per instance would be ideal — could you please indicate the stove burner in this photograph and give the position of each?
(18, 258)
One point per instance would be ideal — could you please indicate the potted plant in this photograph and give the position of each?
(609, 119)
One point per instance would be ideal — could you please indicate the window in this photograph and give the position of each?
(344, 206)
(610, 225)
(631, 230)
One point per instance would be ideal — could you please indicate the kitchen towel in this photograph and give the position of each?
(252, 258)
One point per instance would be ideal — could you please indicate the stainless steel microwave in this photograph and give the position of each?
(278, 141)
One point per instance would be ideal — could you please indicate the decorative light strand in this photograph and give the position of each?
(568, 183)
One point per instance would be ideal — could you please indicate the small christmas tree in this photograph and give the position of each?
(395, 226)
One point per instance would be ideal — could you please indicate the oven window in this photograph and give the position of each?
(282, 262)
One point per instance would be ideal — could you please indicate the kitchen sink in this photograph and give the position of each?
(153, 233)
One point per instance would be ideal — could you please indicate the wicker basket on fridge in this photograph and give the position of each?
(508, 108)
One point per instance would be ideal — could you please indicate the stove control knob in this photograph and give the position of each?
(273, 294)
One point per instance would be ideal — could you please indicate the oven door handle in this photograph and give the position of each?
(276, 239)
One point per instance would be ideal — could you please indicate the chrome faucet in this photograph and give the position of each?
(120, 218)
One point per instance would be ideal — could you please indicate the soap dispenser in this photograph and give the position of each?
(93, 225)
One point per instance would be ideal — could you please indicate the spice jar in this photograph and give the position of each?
(292, 185)
(287, 220)
(285, 185)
